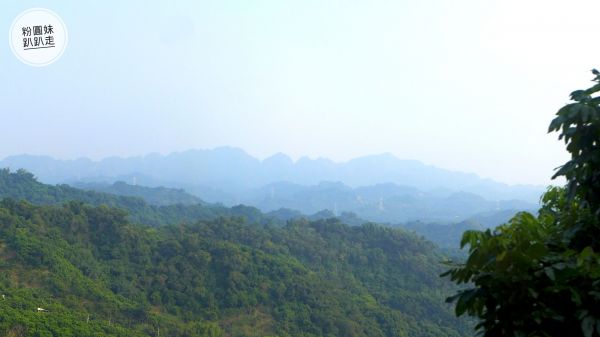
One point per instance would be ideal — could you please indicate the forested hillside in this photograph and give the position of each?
(159, 196)
(222, 277)
(96, 273)
(22, 185)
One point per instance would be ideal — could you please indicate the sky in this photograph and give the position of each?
(466, 85)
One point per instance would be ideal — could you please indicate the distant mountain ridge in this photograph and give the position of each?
(384, 203)
(158, 196)
(226, 173)
(158, 206)
(149, 205)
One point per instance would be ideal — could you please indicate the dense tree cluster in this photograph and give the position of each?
(97, 273)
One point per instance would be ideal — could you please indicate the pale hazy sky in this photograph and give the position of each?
(464, 85)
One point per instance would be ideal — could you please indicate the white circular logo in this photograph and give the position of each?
(38, 37)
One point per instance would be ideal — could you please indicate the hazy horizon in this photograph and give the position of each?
(294, 160)
(467, 86)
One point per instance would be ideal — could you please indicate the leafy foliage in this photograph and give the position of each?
(579, 126)
(540, 276)
(98, 274)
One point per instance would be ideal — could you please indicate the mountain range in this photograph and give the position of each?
(379, 188)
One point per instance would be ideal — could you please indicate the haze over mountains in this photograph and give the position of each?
(378, 187)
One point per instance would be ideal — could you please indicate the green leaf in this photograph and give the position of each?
(587, 326)
(536, 250)
(501, 256)
(584, 255)
(550, 273)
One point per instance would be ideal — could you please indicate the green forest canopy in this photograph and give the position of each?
(97, 272)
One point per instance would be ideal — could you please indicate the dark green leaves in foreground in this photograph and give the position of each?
(579, 126)
(540, 275)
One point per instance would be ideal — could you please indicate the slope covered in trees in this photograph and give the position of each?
(22, 185)
(223, 277)
(159, 196)
(90, 262)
